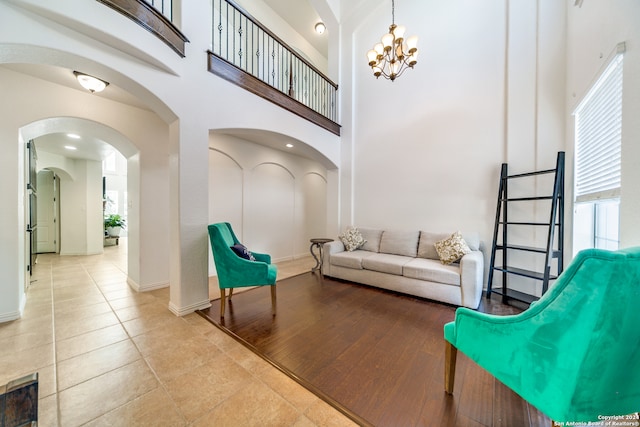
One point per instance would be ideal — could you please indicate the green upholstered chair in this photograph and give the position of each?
(235, 271)
(575, 353)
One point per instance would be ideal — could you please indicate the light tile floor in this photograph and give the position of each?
(108, 356)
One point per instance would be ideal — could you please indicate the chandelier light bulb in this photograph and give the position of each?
(372, 56)
(387, 41)
(412, 43)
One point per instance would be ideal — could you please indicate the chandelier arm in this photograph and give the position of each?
(402, 69)
(382, 66)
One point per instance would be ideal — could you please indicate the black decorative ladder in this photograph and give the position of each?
(503, 222)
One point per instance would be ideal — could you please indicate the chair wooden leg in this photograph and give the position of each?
(223, 296)
(273, 299)
(230, 293)
(450, 354)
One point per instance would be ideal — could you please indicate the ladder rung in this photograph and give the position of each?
(554, 252)
(546, 224)
(523, 272)
(521, 175)
(520, 199)
(516, 295)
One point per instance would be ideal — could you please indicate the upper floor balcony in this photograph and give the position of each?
(246, 53)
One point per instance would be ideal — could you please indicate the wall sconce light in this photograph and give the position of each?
(320, 27)
(90, 83)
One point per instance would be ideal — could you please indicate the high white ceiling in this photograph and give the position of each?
(303, 18)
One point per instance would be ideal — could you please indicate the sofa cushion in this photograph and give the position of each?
(400, 242)
(385, 263)
(350, 259)
(352, 239)
(371, 239)
(427, 249)
(452, 248)
(432, 270)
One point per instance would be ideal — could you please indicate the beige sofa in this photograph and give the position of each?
(407, 262)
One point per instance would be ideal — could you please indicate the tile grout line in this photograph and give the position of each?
(142, 356)
(55, 342)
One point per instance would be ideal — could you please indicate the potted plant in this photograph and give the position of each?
(113, 224)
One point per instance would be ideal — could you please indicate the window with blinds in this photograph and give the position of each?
(598, 145)
(598, 133)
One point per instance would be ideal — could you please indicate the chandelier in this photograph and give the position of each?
(394, 54)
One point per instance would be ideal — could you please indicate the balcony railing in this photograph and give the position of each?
(155, 16)
(248, 54)
(165, 7)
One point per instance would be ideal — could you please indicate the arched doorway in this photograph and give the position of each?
(71, 157)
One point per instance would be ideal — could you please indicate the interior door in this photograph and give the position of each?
(32, 200)
(47, 221)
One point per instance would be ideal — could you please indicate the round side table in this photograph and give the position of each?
(318, 243)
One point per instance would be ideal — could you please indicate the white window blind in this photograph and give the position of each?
(598, 133)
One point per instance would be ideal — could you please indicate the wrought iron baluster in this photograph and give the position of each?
(243, 42)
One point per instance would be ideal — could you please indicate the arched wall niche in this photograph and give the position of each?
(276, 199)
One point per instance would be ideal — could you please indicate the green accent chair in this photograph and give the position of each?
(575, 353)
(235, 271)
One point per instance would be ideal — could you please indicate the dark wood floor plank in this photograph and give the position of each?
(509, 408)
(376, 354)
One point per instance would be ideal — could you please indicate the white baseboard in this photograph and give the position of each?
(145, 288)
(189, 309)
(80, 253)
(292, 258)
(8, 317)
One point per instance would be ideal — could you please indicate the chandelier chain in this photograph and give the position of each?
(393, 12)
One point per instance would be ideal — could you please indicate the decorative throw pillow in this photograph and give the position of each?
(352, 239)
(452, 248)
(243, 252)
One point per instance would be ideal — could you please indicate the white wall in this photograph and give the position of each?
(275, 201)
(424, 152)
(426, 149)
(116, 181)
(81, 228)
(81, 210)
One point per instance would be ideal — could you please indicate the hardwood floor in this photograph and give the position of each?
(377, 356)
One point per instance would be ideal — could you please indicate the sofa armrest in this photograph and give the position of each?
(471, 278)
(328, 249)
(333, 247)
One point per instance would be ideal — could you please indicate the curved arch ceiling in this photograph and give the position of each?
(278, 141)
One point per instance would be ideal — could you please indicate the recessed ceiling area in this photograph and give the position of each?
(87, 147)
(279, 142)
